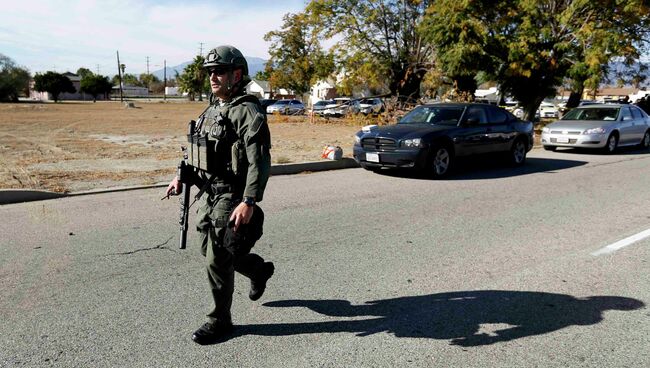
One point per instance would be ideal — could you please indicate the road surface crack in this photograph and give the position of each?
(155, 247)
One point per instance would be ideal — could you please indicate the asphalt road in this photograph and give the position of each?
(492, 267)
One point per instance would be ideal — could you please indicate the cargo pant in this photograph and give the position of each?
(226, 251)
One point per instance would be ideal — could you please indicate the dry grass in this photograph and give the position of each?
(74, 146)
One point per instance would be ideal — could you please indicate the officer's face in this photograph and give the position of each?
(221, 79)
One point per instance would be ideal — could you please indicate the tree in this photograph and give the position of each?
(146, 80)
(633, 75)
(131, 80)
(531, 46)
(263, 75)
(379, 42)
(464, 39)
(95, 85)
(53, 83)
(13, 80)
(297, 59)
(82, 72)
(617, 35)
(127, 80)
(194, 79)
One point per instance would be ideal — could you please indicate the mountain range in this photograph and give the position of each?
(255, 65)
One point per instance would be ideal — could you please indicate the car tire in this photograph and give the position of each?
(518, 152)
(645, 142)
(550, 148)
(612, 143)
(440, 161)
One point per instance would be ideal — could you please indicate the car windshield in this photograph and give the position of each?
(321, 103)
(282, 102)
(367, 101)
(592, 113)
(436, 115)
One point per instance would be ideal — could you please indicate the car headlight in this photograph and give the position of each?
(415, 142)
(357, 139)
(599, 130)
(545, 130)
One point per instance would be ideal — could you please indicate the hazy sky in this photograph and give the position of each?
(63, 35)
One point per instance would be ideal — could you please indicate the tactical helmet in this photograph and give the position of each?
(226, 56)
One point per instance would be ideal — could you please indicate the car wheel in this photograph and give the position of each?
(518, 152)
(612, 143)
(440, 161)
(550, 148)
(645, 142)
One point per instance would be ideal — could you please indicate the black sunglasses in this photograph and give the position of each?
(218, 70)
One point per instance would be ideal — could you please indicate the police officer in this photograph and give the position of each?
(229, 220)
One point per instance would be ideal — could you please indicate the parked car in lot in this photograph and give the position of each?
(318, 107)
(519, 112)
(286, 107)
(266, 102)
(548, 110)
(371, 106)
(432, 136)
(604, 126)
(341, 106)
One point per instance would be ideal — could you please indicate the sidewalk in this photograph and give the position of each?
(8, 196)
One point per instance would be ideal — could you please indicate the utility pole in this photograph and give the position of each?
(97, 69)
(201, 48)
(148, 77)
(120, 67)
(164, 80)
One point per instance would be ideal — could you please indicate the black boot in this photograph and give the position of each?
(259, 285)
(211, 332)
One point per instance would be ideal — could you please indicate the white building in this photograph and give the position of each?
(130, 91)
(261, 89)
(322, 90)
(171, 91)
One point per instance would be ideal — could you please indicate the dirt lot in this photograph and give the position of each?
(75, 146)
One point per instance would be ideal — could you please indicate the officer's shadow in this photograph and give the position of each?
(467, 318)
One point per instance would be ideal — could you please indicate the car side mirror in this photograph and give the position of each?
(626, 118)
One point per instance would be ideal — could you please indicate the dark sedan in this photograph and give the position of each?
(431, 136)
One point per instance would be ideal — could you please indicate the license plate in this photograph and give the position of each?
(562, 140)
(372, 157)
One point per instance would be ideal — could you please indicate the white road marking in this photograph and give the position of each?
(622, 243)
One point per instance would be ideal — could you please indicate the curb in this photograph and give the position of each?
(8, 196)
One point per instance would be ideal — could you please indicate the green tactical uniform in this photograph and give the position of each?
(246, 176)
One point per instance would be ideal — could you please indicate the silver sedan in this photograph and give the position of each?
(604, 126)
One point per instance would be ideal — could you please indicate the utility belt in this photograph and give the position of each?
(224, 188)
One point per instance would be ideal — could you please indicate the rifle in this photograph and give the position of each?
(185, 178)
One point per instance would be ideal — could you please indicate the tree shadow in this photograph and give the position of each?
(489, 167)
(466, 318)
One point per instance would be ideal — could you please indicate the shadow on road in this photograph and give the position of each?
(620, 151)
(490, 168)
(467, 318)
